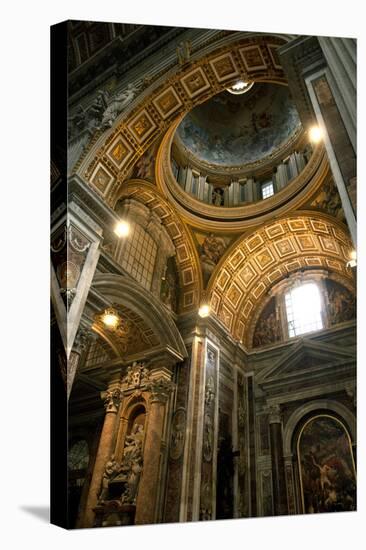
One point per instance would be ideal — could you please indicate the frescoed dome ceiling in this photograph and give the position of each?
(233, 130)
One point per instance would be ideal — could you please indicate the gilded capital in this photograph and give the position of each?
(274, 414)
(160, 390)
(112, 399)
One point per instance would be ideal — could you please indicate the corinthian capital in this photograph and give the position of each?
(160, 390)
(274, 414)
(112, 399)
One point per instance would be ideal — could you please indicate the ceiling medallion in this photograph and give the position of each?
(240, 87)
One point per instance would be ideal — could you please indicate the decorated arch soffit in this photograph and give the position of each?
(108, 159)
(144, 322)
(188, 266)
(240, 284)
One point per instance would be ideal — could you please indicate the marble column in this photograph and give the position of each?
(146, 504)
(278, 466)
(79, 347)
(75, 250)
(112, 398)
(341, 155)
(341, 56)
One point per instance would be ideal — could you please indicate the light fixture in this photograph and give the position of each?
(122, 228)
(240, 87)
(352, 259)
(315, 134)
(204, 310)
(110, 318)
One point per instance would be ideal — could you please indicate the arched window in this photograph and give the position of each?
(303, 309)
(139, 254)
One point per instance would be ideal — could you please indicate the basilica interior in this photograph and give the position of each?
(203, 273)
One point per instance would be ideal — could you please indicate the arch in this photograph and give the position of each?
(258, 260)
(313, 406)
(122, 290)
(190, 275)
(110, 155)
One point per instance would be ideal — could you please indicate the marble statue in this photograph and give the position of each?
(111, 470)
(184, 51)
(117, 103)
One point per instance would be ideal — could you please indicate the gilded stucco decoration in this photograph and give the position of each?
(243, 278)
(136, 337)
(109, 157)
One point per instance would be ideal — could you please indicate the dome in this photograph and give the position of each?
(234, 130)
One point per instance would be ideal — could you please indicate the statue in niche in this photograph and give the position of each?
(169, 286)
(184, 51)
(112, 469)
(218, 196)
(268, 327)
(342, 305)
(132, 462)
